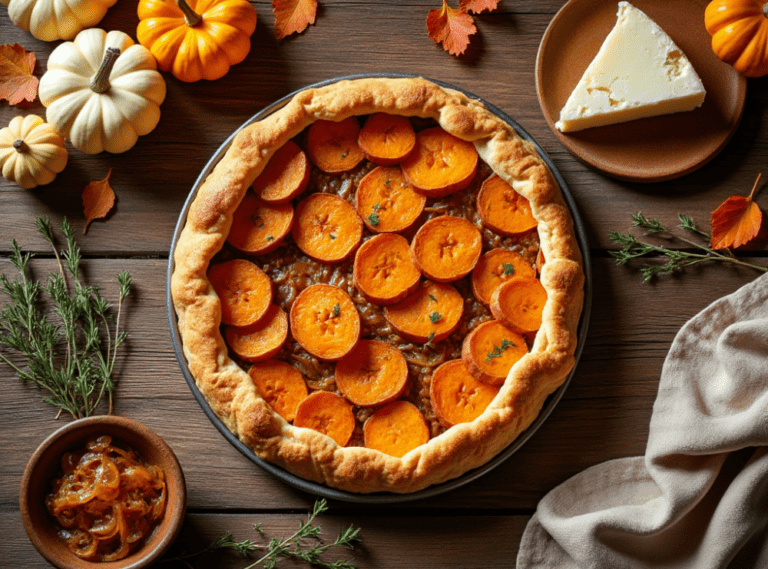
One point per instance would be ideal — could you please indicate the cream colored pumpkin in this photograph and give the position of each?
(31, 152)
(50, 20)
(102, 91)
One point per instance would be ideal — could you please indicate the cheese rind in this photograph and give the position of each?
(638, 72)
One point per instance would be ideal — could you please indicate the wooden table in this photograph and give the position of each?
(606, 409)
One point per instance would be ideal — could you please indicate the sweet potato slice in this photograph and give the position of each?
(387, 202)
(327, 228)
(333, 147)
(325, 321)
(326, 413)
(384, 271)
(430, 314)
(373, 373)
(281, 385)
(395, 429)
(386, 139)
(262, 340)
(457, 397)
(490, 350)
(447, 248)
(518, 304)
(286, 175)
(244, 290)
(502, 209)
(495, 267)
(259, 227)
(440, 163)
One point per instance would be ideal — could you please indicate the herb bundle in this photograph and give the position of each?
(72, 361)
(675, 260)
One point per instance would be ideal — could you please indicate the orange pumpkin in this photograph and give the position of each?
(196, 39)
(739, 30)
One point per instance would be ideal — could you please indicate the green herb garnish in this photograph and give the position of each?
(304, 545)
(373, 219)
(435, 317)
(497, 350)
(676, 260)
(68, 361)
(508, 268)
(433, 297)
(336, 310)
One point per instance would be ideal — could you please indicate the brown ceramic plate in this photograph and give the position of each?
(651, 149)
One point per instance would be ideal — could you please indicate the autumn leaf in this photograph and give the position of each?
(736, 221)
(451, 27)
(477, 6)
(98, 199)
(293, 16)
(17, 83)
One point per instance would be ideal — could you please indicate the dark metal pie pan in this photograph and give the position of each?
(382, 497)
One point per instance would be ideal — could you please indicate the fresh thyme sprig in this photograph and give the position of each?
(78, 379)
(294, 546)
(676, 260)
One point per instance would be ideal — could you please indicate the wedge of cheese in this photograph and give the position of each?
(638, 72)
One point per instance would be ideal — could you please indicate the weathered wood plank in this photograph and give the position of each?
(603, 415)
(152, 179)
(393, 541)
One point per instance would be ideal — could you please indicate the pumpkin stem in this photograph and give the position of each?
(100, 81)
(192, 18)
(20, 146)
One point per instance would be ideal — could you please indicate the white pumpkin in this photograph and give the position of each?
(50, 20)
(31, 152)
(102, 91)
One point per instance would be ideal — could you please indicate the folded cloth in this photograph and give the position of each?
(699, 497)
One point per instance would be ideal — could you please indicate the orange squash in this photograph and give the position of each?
(196, 39)
(739, 30)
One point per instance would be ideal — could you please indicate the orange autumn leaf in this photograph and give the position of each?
(477, 6)
(736, 221)
(451, 27)
(293, 16)
(17, 83)
(98, 199)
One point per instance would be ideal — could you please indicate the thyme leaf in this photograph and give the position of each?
(435, 317)
(674, 260)
(498, 350)
(337, 310)
(71, 362)
(304, 545)
(508, 269)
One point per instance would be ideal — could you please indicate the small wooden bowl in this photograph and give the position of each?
(45, 464)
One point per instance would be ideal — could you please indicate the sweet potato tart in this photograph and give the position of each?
(398, 243)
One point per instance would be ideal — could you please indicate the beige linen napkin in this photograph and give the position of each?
(699, 497)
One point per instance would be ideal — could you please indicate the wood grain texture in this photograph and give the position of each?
(605, 411)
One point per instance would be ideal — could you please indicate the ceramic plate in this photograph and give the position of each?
(382, 497)
(655, 148)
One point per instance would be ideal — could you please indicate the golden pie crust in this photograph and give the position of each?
(229, 390)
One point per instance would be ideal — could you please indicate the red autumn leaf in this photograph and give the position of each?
(736, 221)
(451, 27)
(477, 6)
(98, 199)
(17, 83)
(293, 16)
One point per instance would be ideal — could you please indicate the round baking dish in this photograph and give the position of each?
(381, 497)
